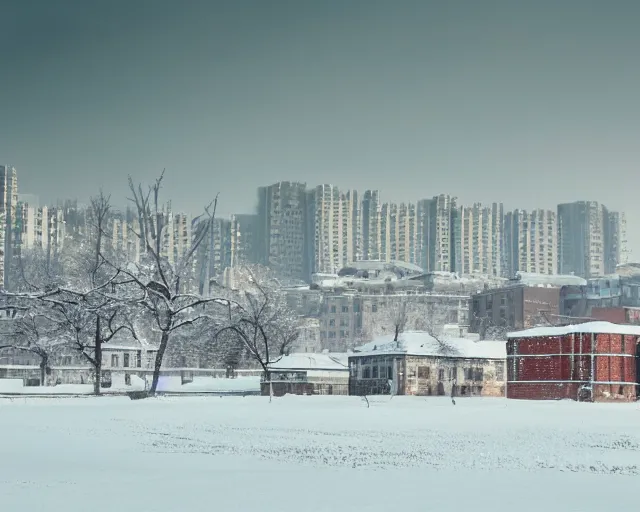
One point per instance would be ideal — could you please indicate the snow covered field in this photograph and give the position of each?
(316, 454)
(166, 384)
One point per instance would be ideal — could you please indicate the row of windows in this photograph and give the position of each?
(127, 359)
(384, 370)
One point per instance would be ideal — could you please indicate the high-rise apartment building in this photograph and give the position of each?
(243, 239)
(213, 254)
(124, 227)
(581, 240)
(8, 205)
(370, 225)
(615, 240)
(480, 239)
(336, 225)
(437, 229)
(42, 227)
(398, 232)
(281, 233)
(531, 242)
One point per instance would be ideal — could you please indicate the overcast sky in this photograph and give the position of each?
(530, 103)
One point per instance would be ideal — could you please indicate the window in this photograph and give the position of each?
(333, 309)
(499, 370)
(441, 374)
(390, 372)
(139, 359)
(345, 309)
(374, 308)
(127, 379)
(423, 372)
(114, 360)
(125, 361)
(332, 322)
(476, 374)
(374, 373)
(366, 372)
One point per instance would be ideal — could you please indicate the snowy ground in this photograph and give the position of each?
(316, 454)
(166, 384)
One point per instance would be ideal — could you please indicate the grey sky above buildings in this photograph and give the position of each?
(529, 103)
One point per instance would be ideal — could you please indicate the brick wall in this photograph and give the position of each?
(559, 360)
(542, 391)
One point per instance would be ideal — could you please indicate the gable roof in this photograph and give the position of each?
(305, 361)
(585, 328)
(420, 343)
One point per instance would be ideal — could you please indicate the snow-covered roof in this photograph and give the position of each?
(114, 346)
(585, 328)
(551, 280)
(305, 361)
(420, 343)
(384, 265)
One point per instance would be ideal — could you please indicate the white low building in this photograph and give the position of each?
(308, 374)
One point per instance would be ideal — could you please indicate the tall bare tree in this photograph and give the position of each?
(164, 288)
(260, 318)
(79, 293)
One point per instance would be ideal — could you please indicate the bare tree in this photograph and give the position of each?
(489, 330)
(260, 318)
(163, 288)
(409, 313)
(79, 292)
(36, 331)
(399, 314)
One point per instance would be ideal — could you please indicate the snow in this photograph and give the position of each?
(419, 343)
(585, 328)
(169, 384)
(302, 361)
(212, 385)
(553, 280)
(316, 454)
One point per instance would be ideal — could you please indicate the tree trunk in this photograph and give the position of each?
(164, 340)
(267, 376)
(98, 359)
(43, 370)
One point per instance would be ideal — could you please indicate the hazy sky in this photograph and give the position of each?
(530, 103)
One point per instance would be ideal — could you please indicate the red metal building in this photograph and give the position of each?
(595, 361)
(621, 315)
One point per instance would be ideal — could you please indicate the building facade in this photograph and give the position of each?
(530, 242)
(513, 307)
(480, 238)
(594, 361)
(419, 364)
(8, 206)
(307, 374)
(337, 228)
(591, 239)
(281, 232)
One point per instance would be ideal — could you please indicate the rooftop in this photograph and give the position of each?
(549, 280)
(420, 343)
(585, 328)
(304, 361)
